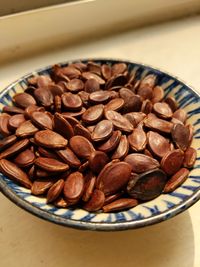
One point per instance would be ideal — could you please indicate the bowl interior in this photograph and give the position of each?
(161, 208)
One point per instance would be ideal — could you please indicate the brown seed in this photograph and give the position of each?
(75, 85)
(15, 148)
(132, 102)
(25, 158)
(62, 126)
(113, 197)
(89, 186)
(113, 177)
(47, 153)
(73, 121)
(42, 120)
(120, 204)
(94, 67)
(57, 103)
(50, 139)
(60, 202)
(115, 104)
(106, 71)
(148, 80)
(191, 133)
(74, 186)
(13, 110)
(176, 180)
(92, 85)
(138, 139)
(40, 173)
(71, 101)
(135, 117)
(55, 89)
(172, 103)
(97, 161)
(111, 143)
(4, 124)
(84, 97)
(40, 186)
(141, 163)
(147, 106)
(58, 74)
(99, 97)
(113, 94)
(175, 121)
(158, 144)
(43, 80)
(93, 114)
(55, 190)
(180, 114)
(96, 201)
(163, 110)
(102, 131)
(119, 121)
(90, 75)
(81, 146)
(158, 124)
(7, 142)
(118, 68)
(180, 135)
(15, 121)
(122, 149)
(26, 129)
(117, 80)
(132, 181)
(81, 130)
(158, 94)
(172, 161)
(149, 185)
(71, 72)
(44, 97)
(145, 92)
(189, 157)
(51, 165)
(12, 171)
(79, 65)
(74, 113)
(68, 156)
(23, 100)
(30, 109)
(63, 84)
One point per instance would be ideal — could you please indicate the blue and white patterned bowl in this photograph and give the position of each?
(157, 210)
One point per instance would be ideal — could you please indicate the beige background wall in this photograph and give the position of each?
(65, 24)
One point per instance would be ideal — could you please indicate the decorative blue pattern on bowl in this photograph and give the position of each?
(157, 210)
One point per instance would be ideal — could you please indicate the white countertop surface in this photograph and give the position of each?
(27, 241)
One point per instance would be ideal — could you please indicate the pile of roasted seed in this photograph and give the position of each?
(96, 137)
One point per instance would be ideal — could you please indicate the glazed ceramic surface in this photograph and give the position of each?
(157, 210)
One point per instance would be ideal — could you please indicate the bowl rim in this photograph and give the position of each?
(99, 226)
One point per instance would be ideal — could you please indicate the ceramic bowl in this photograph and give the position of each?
(162, 208)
